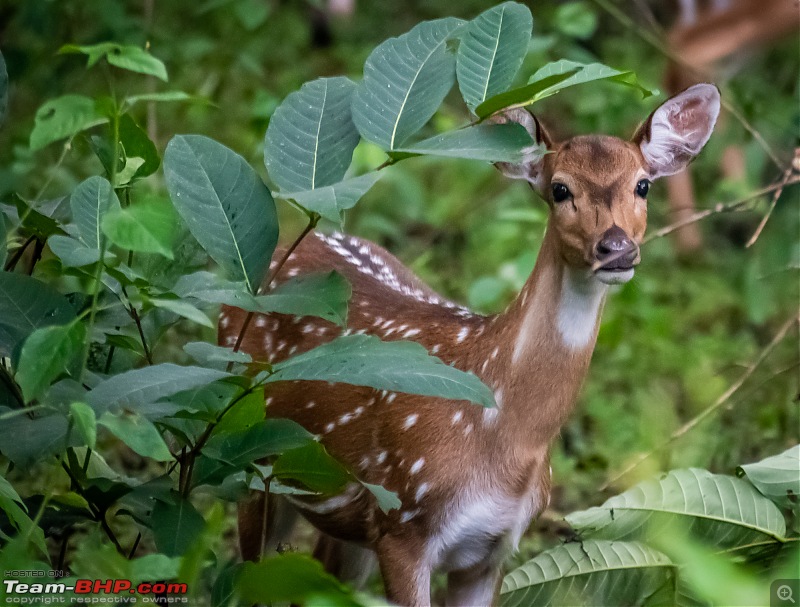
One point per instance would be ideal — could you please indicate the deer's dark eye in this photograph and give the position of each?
(560, 192)
(642, 188)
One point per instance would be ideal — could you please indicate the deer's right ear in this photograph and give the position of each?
(532, 165)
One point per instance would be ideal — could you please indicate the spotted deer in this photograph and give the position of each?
(470, 479)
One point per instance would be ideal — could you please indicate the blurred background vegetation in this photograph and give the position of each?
(672, 340)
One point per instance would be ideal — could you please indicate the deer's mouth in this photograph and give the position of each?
(615, 276)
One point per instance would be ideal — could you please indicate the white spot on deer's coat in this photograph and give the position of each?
(410, 421)
(230, 340)
(407, 516)
(421, 490)
(261, 322)
(224, 322)
(330, 427)
(462, 334)
(435, 349)
(391, 397)
(344, 419)
(381, 457)
(311, 404)
(411, 333)
(457, 417)
(307, 328)
(468, 429)
(417, 465)
(495, 352)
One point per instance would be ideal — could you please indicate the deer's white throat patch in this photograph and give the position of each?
(581, 300)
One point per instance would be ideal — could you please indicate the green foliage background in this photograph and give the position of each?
(672, 340)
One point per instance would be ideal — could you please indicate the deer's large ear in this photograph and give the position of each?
(676, 132)
(532, 165)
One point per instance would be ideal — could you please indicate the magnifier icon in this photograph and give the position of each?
(785, 593)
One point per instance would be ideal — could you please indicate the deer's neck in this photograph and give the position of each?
(547, 337)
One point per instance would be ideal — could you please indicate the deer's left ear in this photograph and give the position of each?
(676, 132)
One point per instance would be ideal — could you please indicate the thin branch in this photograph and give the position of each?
(775, 196)
(312, 223)
(14, 260)
(738, 205)
(723, 398)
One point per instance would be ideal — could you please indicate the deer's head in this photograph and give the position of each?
(596, 185)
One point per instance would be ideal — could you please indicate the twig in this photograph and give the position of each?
(775, 196)
(312, 223)
(724, 397)
(14, 260)
(718, 208)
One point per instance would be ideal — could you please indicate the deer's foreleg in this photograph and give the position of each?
(471, 587)
(406, 574)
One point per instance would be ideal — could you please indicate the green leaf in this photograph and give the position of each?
(146, 227)
(83, 418)
(166, 96)
(25, 441)
(311, 466)
(3, 90)
(268, 437)
(210, 288)
(405, 81)
(777, 477)
(47, 353)
(365, 360)
(90, 202)
(72, 252)
(136, 144)
(593, 573)
(311, 136)
(491, 51)
(590, 72)
(138, 433)
(17, 513)
(175, 526)
(330, 201)
(722, 510)
(63, 117)
(291, 578)
(37, 224)
(323, 295)
(131, 58)
(387, 500)
(154, 567)
(27, 304)
(206, 353)
(182, 308)
(576, 19)
(490, 142)
(139, 387)
(224, 204)
(524, 95)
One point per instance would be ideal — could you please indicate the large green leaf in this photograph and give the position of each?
(146, 227)
(330, 201)
(90, 201)
(323, 295)
(777, 477)
(133, 389)
(138, 433)
(491, 51)
(291, 578)
(268, 437)
(3, 89)
(63, 117)
(312, 467)
(25, 441)
(721, 510)
(311, 136)
(593, 573)
(405, 81)
(523, 95)
(176, 525)
(589, 72)
(27, 304)
(224, 204)
(126, 57)
(47, 353)
(134, 144)
(72, 252)
(365, 360)
(490, 142)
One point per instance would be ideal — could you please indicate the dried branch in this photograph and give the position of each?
(775, 196)
(724, 397)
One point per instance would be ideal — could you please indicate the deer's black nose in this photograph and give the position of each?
(616, 251)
